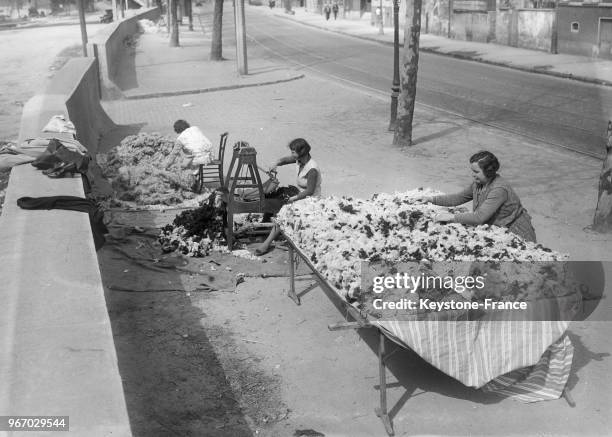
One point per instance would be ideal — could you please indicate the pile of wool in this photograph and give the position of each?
(338, 233)
(146, 169)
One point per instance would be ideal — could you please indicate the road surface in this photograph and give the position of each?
(563, 112)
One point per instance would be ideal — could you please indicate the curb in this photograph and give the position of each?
(536, 70)
(209, 90)
(463, 57)
(36, 25)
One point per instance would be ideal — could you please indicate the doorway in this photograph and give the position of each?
(605, 37)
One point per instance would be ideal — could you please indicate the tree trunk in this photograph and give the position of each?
(174, 28)
(602, 221)
(189, 10)
(216, 46)
(408, 75)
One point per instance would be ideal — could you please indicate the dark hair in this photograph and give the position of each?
(487, 162)
(301, 147)
(180, 126)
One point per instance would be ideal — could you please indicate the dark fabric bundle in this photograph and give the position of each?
(57, 154)
(71, 203)
(283, 193)
(204, 221)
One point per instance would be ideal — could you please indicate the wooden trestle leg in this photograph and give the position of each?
(291, 292)
(382, 410)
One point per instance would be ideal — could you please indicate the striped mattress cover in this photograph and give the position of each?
(527, 360)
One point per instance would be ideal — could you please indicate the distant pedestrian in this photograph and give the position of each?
(335, 10)
(327, 11)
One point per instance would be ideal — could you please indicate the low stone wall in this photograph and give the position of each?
(83, 105)
(57, 356)
(110, 44)
(73, 92)
(526, 28)
(471, 26)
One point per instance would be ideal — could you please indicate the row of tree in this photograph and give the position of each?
(216, 46)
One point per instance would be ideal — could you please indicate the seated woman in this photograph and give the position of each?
(195, 145)
(495, 202)
(308, 182)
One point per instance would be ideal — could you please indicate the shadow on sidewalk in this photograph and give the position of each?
(436, 135)
(126, 78)
(114, 137)
(582, 357)
(173, 381)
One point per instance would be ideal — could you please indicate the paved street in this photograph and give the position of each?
(29, 58)
(557, 111)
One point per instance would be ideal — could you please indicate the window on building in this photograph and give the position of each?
(575, 27)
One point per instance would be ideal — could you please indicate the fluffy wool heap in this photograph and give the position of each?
(146, 169)
(338, 233)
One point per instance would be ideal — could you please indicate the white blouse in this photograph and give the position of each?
(200, 147)
(302, 179)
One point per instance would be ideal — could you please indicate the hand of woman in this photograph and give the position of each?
(444, 217)
(292, 199)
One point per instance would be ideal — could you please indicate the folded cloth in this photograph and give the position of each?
(11, 160)
(32, 146)
(12, 154)
(58, 123)
(71, 203)
(60, 151)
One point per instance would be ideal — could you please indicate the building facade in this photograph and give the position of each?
(585, 29)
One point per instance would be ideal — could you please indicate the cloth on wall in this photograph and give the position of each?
(59, 152)
(59, 123)
(66, 151)
(71, 203)
(30, 149)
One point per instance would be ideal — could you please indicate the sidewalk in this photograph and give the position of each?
(157, 70)
(566, 66)
(328, 379)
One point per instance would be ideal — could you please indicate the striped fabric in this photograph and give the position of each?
(494, 355)
(544, 381)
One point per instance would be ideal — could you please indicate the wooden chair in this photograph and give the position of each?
(213, 172)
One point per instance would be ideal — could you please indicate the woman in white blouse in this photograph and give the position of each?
(308, 181)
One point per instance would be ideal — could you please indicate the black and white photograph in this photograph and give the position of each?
(306, 218)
